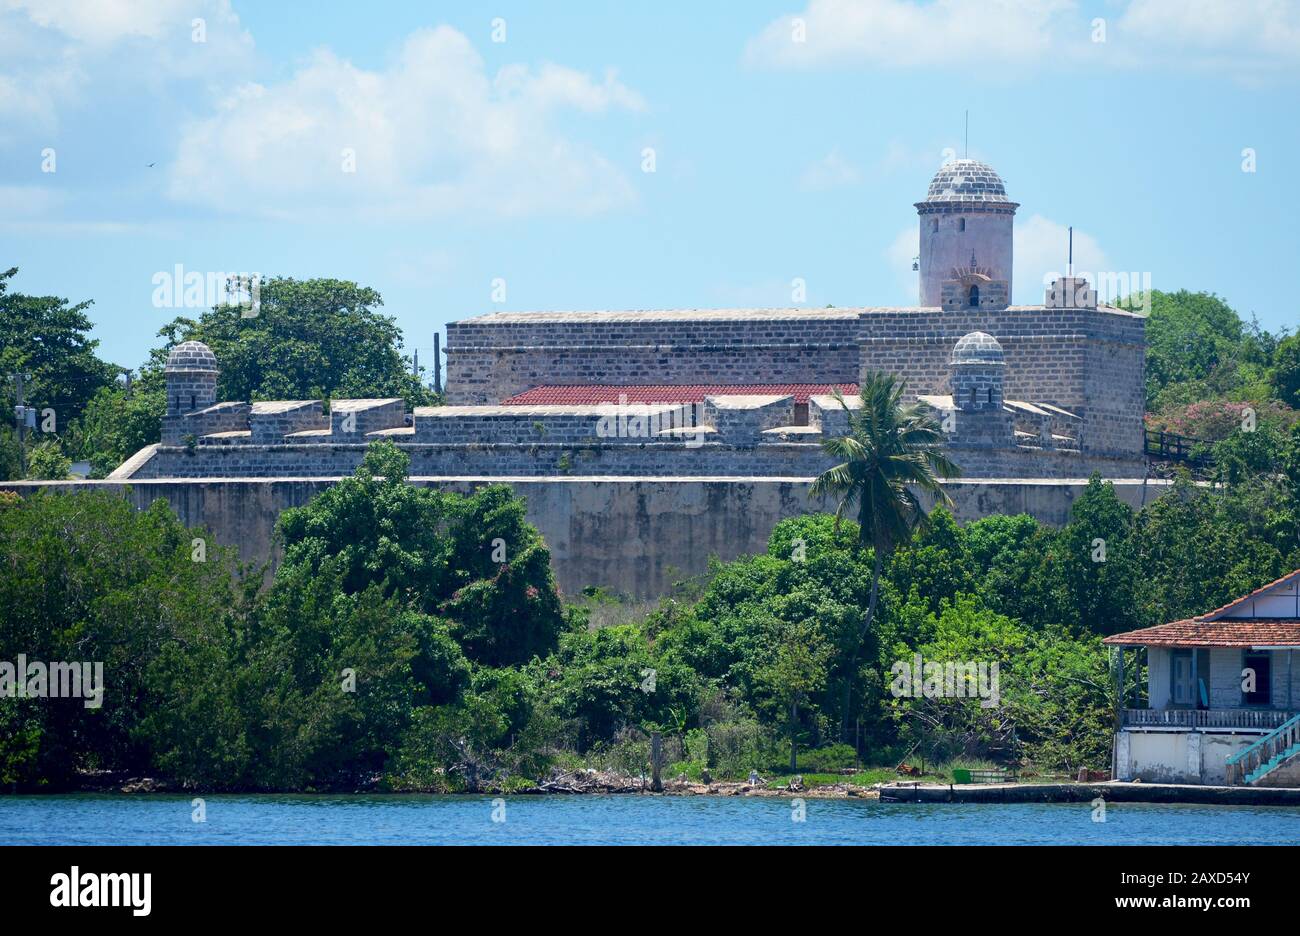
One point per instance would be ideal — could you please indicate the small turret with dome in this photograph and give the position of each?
(966, 223)
(977, 371)
(191, 375)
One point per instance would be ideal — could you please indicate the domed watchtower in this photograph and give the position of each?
(966, 223)
(977, 368)
(191, 375)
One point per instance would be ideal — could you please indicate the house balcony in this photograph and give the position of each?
(1248, 720)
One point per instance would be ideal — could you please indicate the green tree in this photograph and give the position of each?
(473, 561)
(46, 462)
(797, 670)
(311, 338)
(49, 339)
(1286, 371)
(1199, 348)
(117, 424)
(890, 449)
(90, 579)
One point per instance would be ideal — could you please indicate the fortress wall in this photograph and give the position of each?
(632, 458)
(1086, 361)
(610, 425)
(636, 536)
(1116, 392)
(487, 362)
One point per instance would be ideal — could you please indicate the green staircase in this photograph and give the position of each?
(1270, 752)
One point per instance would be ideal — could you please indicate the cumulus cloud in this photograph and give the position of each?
(832, 171)
(891, 33)
(1041, 250)
(1242, 36)
(1237, 34)
(432, 133)
(54, 54)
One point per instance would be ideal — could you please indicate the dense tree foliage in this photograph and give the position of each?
(392, 649)
(309, 339)
(49, 339)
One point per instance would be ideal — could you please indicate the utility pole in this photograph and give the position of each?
(437, 362)
(20, 417)
(415, 365)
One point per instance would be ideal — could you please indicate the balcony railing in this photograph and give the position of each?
(1256, 719)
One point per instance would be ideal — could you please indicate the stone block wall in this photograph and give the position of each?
(221, 417)
(528, 425)
(357, 417)
(741, 420)
(494, 357)
(271, 422)
(1090, 362)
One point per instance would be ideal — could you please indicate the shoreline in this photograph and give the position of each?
(1111, 791)
(592, 783)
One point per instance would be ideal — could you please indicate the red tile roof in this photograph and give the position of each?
(1218, 612)
(657, 393)
(1198, 632)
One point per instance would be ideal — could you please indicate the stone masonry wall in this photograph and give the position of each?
(487, 362)
(1088, 361)
(634, 536)
(627, 459)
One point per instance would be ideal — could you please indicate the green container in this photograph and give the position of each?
(960, 775)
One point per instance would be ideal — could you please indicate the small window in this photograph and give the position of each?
(961, 224)
(974, 396)
(974, 296)
(192, 403)
(934, 224)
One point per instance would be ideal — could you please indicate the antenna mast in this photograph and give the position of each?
(1069, 266)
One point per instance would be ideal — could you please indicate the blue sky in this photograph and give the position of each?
(523, 160)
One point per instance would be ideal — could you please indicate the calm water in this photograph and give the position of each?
(428, 820)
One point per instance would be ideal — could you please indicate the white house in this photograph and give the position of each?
(1223, 693)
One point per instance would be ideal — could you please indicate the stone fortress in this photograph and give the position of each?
(1046, 391)
(647, 442)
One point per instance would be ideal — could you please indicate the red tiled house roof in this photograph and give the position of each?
(1233, 625)
(655, 393)
(1198, 632)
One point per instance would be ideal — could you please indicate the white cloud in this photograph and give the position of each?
(890, 33)
(55, 54)
(1242, 36)
(830, 172)
(432, 134)
(1250, 34)
(1041, 250)
(103, 22)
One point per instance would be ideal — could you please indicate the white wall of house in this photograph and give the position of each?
(1177, 756)
(1223, 682)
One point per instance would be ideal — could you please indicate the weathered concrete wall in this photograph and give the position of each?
(1189, 757)
(633, 535)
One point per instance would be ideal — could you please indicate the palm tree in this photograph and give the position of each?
(892, 450)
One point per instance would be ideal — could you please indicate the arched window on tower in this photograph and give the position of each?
(974, 296)
(961, 224)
